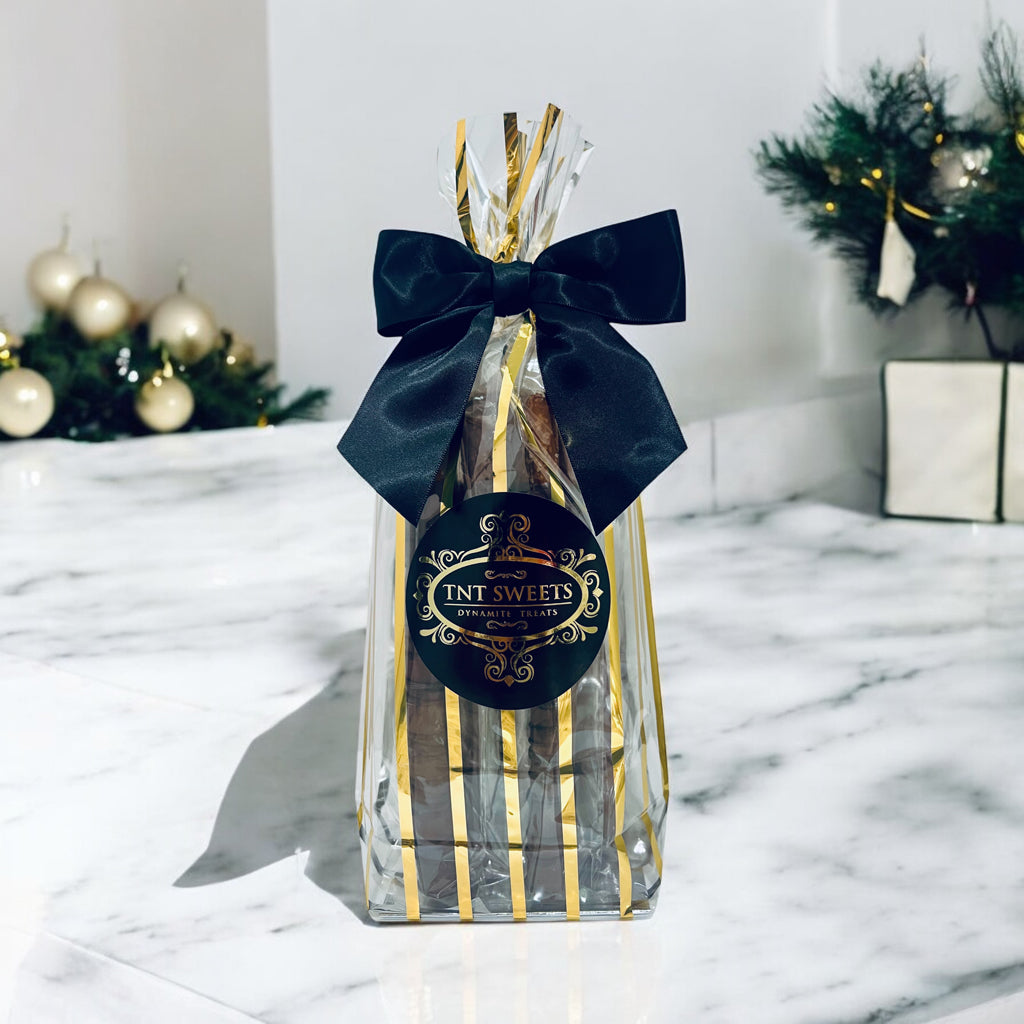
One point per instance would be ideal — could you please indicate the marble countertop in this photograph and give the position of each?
(181, 629)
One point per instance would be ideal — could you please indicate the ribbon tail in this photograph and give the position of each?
(616, 422)
(404, 427)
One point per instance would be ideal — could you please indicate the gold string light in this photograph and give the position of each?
(9, 345)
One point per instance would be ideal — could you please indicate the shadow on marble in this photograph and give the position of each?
(1009, 1010)
(55, 981)
(293, 792)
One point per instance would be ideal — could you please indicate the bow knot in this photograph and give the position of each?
(511, 287)
(442, 298)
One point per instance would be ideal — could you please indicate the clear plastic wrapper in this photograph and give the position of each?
(471, 812)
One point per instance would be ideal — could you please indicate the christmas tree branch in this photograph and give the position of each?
(993, 350)
(1000, 74)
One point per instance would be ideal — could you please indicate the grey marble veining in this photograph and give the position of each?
(180, 634)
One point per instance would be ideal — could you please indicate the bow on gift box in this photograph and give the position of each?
(442, 298)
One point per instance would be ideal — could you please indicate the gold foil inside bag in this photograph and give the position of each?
(469, 812)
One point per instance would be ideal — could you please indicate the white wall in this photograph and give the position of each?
(675, 97)
(64, 137)
(148, 122)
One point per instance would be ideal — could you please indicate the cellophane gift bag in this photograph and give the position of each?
(512, 759)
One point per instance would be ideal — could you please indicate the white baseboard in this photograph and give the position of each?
(827, 449)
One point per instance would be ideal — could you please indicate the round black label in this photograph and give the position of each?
(507, 599)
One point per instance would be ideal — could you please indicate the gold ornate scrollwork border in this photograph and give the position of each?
(505, 540)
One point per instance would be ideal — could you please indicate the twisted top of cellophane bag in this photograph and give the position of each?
(509, 178)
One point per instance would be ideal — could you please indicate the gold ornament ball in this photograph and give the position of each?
(52, 277)
(950, 169)
(99, 308)
(960, 170)
(240, 353)
(26, 402)
(9, 343)
(165, 404)
(186, 328)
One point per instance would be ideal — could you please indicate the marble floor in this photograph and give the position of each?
(181, 628)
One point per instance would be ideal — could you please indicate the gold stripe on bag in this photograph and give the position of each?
(513, 158)
(456, 783)
(517, 195)
(517, 189)
(453, 723)
(618, 742)
(513, 168)
(509, 744)
(557, 494)
(507, 400)
(567, 779)
(509, 371)
(412, 896)
(557, 491)
(517, 353)
(457, 793)
(462, 186)
(645, 815)
(651, 640)
(547, 126)
(510, 770)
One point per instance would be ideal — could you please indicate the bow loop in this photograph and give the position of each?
(419, 276)
(626, 273)
(442, 298)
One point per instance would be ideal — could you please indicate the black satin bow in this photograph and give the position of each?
(442, 298)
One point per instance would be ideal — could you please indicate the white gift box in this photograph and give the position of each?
(946, 428)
